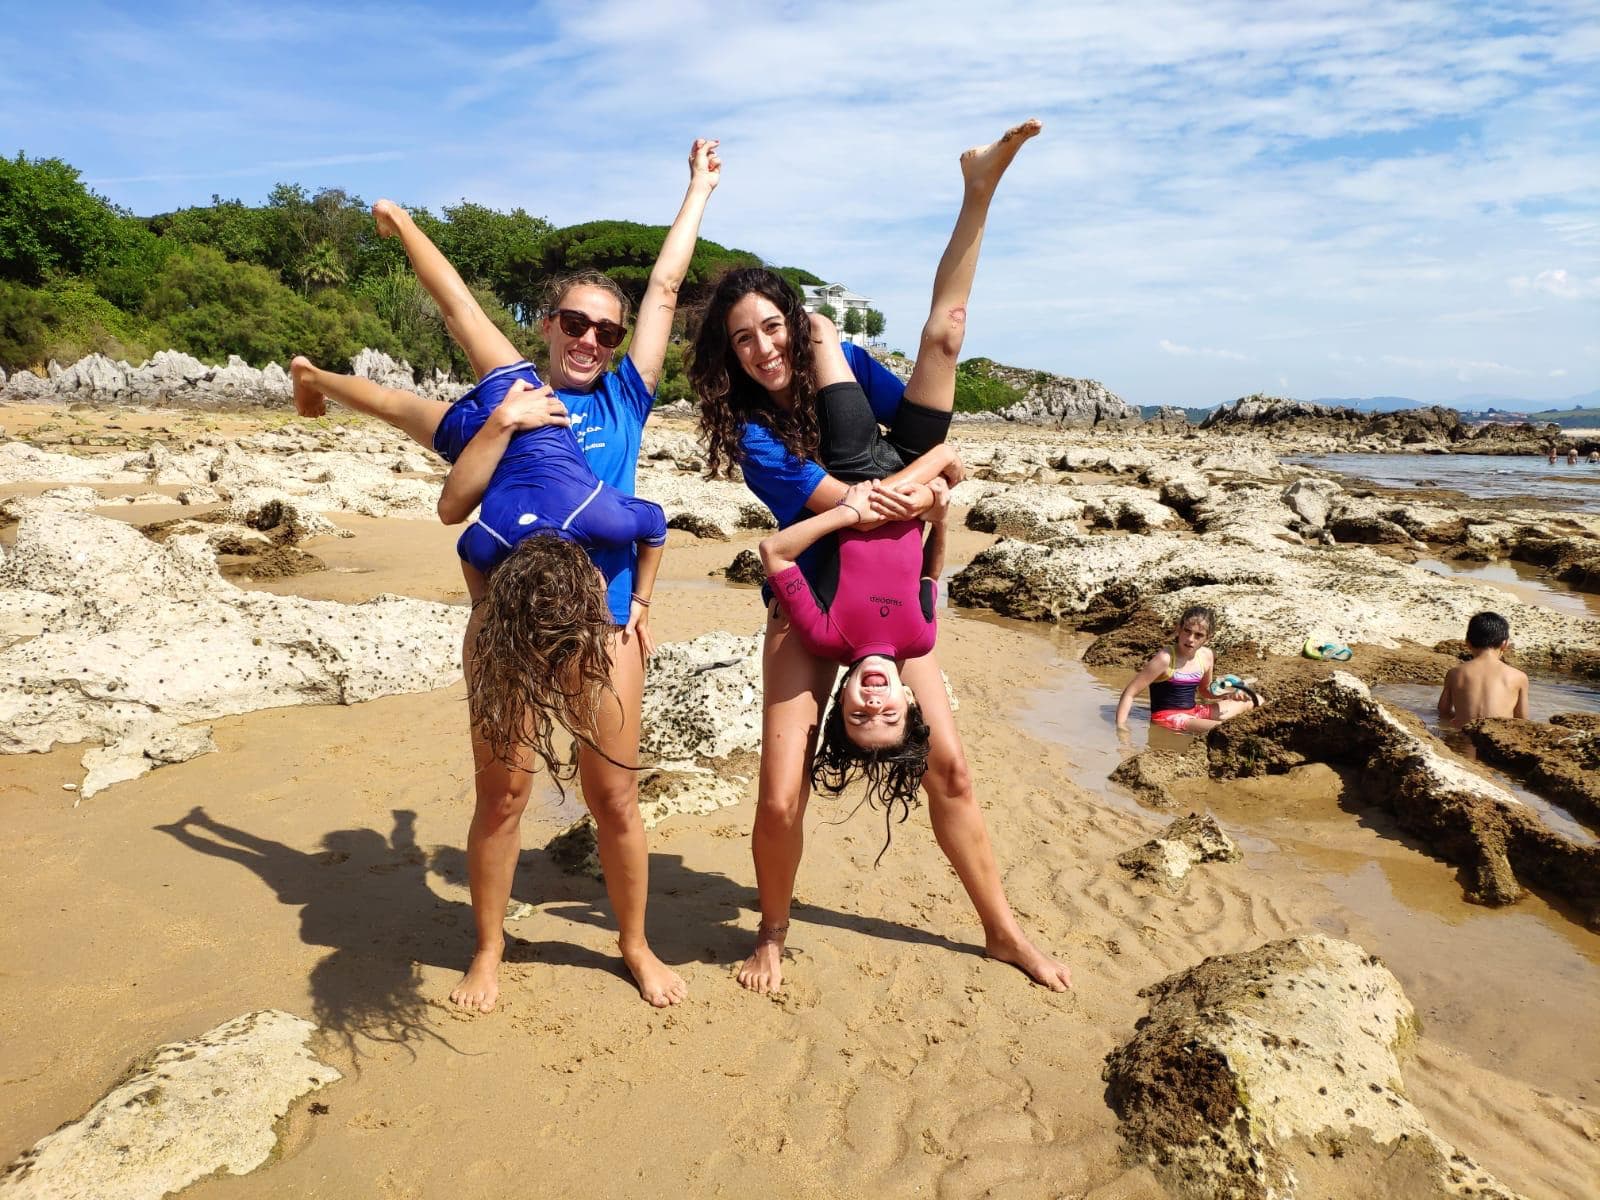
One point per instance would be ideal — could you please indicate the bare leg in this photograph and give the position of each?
(612, 794)
(933, 379)
(827, 355)
(793, 685)
(485, 346)
(413, 415)
(958, 826)
(493, 842)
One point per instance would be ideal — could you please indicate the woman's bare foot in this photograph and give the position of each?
(479, 988)
(659, 984)
(763, 970)
(982, 166)
(387, 214)
(1030, 960)
(308, 401)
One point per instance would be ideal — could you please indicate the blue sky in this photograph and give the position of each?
(1333, 199)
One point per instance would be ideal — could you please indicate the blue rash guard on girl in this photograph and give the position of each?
(783, 482)
(546, 484)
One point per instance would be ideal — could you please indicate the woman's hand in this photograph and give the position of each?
(528, 407)
(705, 168)
(901, 502)
(858, 498)
(940, 512)
(638, 626)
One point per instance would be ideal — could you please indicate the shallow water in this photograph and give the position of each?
(1524, 582)
(1483, 476)
(1545, 698)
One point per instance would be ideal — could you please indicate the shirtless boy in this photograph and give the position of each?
(1486, 686)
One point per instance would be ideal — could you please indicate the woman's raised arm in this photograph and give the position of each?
(650, 335)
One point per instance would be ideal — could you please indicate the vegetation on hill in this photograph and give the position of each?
(302, 273)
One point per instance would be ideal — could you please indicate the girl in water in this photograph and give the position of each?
(606, 409)
(1176, 673)
(759, 362)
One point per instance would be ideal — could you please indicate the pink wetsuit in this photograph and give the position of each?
(883, 605)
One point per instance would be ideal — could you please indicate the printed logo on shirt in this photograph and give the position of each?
(793, 587)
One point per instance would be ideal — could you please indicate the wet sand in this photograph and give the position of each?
(323, 873)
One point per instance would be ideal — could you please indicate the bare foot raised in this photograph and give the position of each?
(479, 988)
(1030, 960)
(763, 970)
(387, 214)
(308, 401)
(659, 984)
(982, 166)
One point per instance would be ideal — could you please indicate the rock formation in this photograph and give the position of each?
(1249, 1061)
(189, 1110)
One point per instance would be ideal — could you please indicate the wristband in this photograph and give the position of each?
(640, 599)
(852, 508)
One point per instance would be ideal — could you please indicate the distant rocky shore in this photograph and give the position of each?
(175, 380)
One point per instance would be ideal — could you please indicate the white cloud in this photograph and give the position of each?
(1202, 351)
(1557, 282)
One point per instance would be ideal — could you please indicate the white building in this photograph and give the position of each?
(841, 299)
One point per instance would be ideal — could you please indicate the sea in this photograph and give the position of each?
(1483, 476)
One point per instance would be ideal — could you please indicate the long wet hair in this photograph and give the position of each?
(728, 396)
(542, 657)
(893, 773)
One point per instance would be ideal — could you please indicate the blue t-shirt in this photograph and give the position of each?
(608, 422)
(783, 482)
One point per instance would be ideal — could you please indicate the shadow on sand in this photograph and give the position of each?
(366, 897)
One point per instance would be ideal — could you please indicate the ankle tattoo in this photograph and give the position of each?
(771, 933)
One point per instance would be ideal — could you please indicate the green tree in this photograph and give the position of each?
(239, 232)
(322, 268)
(852, 321)
(872, 324)
(49, 221)
(64, 320)
(211, 308)
(626, 251)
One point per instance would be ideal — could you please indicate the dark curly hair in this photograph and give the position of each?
(542, 656)
(728, 396)
(893, 773)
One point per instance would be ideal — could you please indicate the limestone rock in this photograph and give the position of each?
(1246, 1057)
(1167, 859)
(191, 1109)
(708, 508)
(702, 699)
(1150, 774)
(145, 745)
(125, 630)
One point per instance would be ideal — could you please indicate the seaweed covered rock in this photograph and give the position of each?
(1249, 1060)
(1499, 843)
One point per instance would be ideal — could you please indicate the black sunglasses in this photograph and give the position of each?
(575, 324)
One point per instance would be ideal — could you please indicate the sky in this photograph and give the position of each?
(1341, 199)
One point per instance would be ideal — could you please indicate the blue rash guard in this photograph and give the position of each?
(784, 482)
(544, 483)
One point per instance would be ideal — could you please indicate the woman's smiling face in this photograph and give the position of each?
(759, 335)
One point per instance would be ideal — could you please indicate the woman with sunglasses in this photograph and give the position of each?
(606, 410)
(759, 365)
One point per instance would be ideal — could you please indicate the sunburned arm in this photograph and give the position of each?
(648, 350)
(1148, 674)
(780, 551)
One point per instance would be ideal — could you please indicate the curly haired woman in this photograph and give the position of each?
(760, 364)
(594, 685)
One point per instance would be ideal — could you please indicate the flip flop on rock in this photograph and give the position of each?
(1329, 651)
(1232, 683)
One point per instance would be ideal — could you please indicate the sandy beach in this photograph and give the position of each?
(314, 864)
